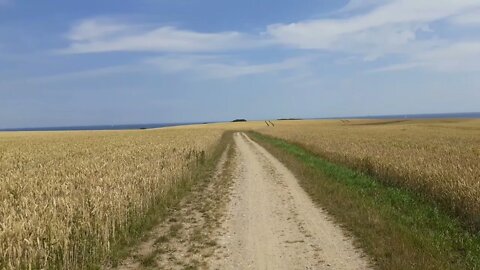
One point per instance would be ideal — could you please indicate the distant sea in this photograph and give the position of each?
(413, 116)
(100, 127)
(149, 126)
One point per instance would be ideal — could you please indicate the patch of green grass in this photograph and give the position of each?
(397, 228)
(161, 209)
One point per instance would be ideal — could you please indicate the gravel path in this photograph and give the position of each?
(271, 223)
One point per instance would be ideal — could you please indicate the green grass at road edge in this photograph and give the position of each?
(395, 227)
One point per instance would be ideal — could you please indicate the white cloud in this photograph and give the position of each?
(92, 29)
(396, 67)
(470, 18)
(359, 5)
(202, 66)
(100, 35)
(461, 56)
(72, 76)
(364, 29)
(389, 28)
(223, 67)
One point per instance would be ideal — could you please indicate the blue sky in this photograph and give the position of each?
(119, 62)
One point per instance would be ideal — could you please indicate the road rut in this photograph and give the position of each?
(271, 223)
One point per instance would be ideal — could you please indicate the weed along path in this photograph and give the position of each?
(183, 239)
(250, 213)
(271, 223)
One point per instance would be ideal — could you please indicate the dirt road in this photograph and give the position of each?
(271, 222)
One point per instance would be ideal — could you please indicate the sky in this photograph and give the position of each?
(65, 63)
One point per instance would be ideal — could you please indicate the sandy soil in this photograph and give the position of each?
(271, 223)
(186, 240)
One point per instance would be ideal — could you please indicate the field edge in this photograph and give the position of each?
(397, 228)
(202, 171)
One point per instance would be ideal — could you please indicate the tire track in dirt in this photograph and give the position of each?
(271, 223)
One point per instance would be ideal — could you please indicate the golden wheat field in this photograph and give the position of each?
(66, 197)
(438, 158)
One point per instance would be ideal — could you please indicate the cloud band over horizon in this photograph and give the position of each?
(181, 61)
(397, 27)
